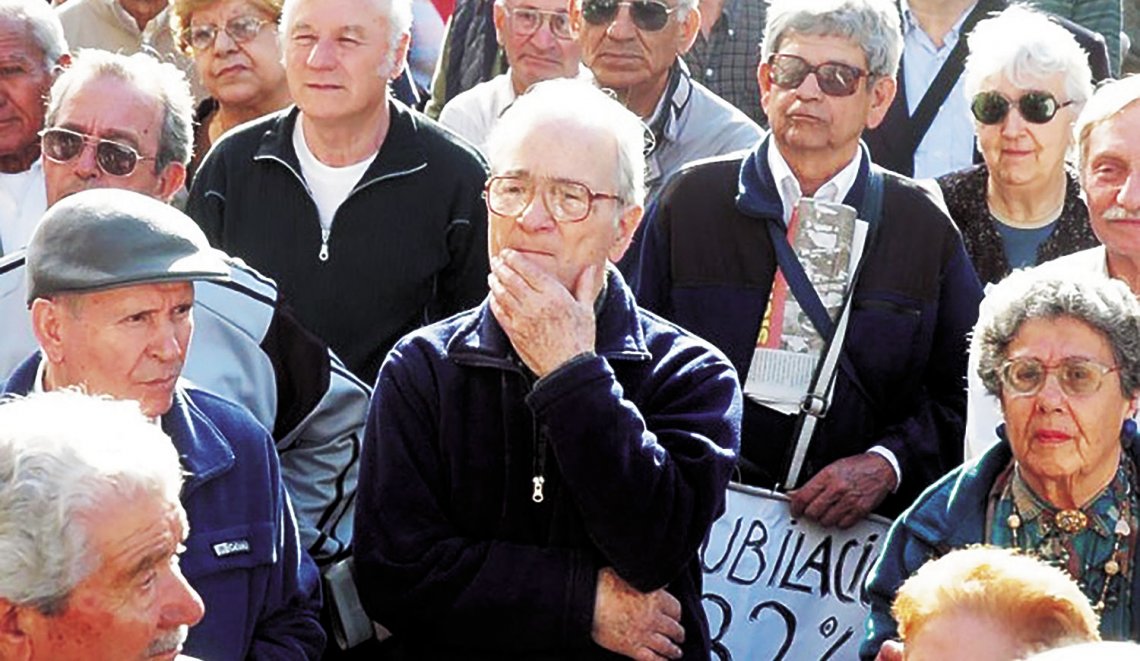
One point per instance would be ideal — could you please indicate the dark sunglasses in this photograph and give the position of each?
(648, 15)
(833, 78)
(114, 158)
(1036, 107)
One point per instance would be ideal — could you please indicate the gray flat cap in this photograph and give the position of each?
(106, 238)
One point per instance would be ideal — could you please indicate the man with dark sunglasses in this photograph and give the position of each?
(32, 48)
(723, 256)
(634, 47)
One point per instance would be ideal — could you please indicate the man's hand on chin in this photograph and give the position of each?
(547, 324)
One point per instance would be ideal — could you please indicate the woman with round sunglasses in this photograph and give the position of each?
(1062, 355)
(238, 58)
(1026, 79)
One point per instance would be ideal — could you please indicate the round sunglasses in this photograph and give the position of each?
(833, 78)
(1036, 107)
(647, 15)
(113, 158)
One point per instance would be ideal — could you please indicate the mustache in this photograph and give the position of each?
(169, 642)
(1117, 212)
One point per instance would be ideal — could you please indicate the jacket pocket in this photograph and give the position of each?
(880, 342)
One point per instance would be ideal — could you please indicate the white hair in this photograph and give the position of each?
(873, 26)
(1109, 100)
(61, 455)
(1025, 47)
(397, 14)
(591, 109)
(43, 26)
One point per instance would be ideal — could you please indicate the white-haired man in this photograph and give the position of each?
(119, 121)
(366, 214)
(32, 47)
(542, 469)
(90, 532)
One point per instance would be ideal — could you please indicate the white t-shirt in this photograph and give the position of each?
(23, 201)
(329, 185)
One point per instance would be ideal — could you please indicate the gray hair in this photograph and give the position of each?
(591, 109)
(1025, 47)
(62, 454)
(162, 79)
(873, 25)
(1107, 102)
(43, 26)
(397, 14)
(1106, 305)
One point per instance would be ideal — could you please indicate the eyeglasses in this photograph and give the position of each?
(648, 15)
(1078, 377)
(834, 78)
(525, 22)
(566, 201)
(1036, 107)
(241, 29)
(114, 158)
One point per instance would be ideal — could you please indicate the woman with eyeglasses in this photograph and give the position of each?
(238, 58)
(1026, 79)
(1062, 355)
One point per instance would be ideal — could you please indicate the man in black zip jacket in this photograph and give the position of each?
(366, 213)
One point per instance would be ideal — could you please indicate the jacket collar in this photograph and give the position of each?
(758, 197)
(665, 122)
(481, 341)
(401, 152)
(202, 449)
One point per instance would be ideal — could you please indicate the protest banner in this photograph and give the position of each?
(779, 588)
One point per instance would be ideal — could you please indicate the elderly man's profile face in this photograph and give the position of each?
(128, 342)
(805, 120)
(1111, 180)
(338, 58)
(24, 83)
(536, 54)
(136, 604)
(569, 152)
(109, 108)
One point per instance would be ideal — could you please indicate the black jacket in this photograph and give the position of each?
(408, 246)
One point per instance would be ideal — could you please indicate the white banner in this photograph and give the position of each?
(780, 588)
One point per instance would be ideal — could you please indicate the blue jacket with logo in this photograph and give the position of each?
(243, 555)
(636, 443)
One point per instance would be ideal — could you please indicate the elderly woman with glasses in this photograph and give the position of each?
(1063, 357)
(238, 57)
(1027, 80)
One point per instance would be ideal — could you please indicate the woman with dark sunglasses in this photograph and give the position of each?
(1026, 80)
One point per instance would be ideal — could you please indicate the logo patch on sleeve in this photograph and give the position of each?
(223, 549)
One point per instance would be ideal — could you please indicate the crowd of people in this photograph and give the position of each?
(291, 370)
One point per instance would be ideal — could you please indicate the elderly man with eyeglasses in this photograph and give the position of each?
(634, 47)
(540, 43)
(542, 469)
(727, 256)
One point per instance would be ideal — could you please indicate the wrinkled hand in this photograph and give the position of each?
(892, 650)
(547, 324)
(641, 626)
(846, 491)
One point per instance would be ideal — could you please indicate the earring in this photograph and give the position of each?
(1128, 433)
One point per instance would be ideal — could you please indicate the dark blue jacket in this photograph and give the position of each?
(950, 515)
(636, 444)
(243, 555)
(707, 263)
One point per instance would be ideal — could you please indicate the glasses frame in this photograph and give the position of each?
(823, 79)
(1098, 368)
(639, 13)
(1022, 103)
(99, 143)
(545, 17)
(187, 32)
(591, 196)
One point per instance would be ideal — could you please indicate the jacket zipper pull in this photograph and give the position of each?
(537, 496)
(323, 255)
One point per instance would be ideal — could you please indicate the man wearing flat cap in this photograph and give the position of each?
(109, 280)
